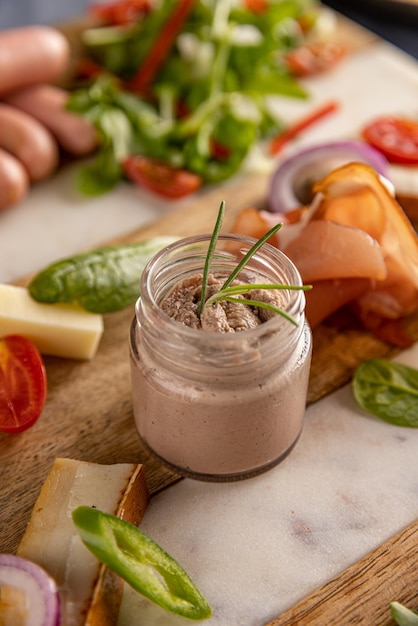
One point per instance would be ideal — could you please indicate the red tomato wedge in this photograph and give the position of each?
(395, 137)
(160, 178)
(23, 384)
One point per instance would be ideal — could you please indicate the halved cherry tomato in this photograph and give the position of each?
(120, 12)
(395, 137)
(162, 179)
(314, 58)
(23, 384)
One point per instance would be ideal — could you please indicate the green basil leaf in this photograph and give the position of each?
(388, 390)
(101, 281)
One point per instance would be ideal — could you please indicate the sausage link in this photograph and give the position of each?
(47, 104)
(30, 55)
(31, 143)
(14, 181)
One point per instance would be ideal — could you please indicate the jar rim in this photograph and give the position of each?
(295, 304)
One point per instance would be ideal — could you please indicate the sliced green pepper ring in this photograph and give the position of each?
(141, 562)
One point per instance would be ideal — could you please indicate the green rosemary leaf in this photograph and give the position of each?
(209, 256)
(251, 253)
(261, 305)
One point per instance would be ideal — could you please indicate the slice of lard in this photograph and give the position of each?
(90, 593)
(56, 329)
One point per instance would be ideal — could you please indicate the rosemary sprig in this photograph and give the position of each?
(227, 292)
(227, 295)
(209, 256)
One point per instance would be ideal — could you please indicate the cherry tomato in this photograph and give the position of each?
(161, 178)
(22, 384)
(314, 58)
(396, 138)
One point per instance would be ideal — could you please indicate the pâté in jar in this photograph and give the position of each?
(219, 391)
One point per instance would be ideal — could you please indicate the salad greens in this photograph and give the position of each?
(388, 390)
(207, 105)
(141, 562)
(101, 281)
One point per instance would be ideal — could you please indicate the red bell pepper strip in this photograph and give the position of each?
(161, 46)
(280, 140)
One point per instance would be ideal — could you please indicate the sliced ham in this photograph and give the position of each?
(326, 250)
(355, 196)
(354, 243)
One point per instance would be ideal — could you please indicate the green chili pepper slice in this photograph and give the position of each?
(141, 562)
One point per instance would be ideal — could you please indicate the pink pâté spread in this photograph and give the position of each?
(221, 397)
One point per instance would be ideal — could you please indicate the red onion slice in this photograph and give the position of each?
(291, 183)
(29, 597)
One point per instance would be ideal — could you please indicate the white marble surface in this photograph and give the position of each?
(54, 221)
(256, 547)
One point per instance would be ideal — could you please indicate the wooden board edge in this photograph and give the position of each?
(363, 592)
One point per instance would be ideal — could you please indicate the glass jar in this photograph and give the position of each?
(218, 406)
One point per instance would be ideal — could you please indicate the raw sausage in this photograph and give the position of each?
(47, 104)
(30, 55)
(14, 181)
(31, 143)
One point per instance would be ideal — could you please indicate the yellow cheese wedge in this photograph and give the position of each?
(56, 329)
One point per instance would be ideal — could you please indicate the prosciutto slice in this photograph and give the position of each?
(354, 244)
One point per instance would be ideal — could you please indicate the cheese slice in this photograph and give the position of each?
(56, 329)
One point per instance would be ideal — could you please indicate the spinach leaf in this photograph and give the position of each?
(402, 615)
(388, 390)
(101, 281)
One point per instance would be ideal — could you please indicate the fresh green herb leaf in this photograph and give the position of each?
(388, 390)
(402, 615)
(250, 254)
(141, 562)
(209, 256)
(101, 281)
(226, 292)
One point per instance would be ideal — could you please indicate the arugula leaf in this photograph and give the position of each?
(388, 390)
(101, 281)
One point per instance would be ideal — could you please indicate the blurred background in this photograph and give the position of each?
(393, 20)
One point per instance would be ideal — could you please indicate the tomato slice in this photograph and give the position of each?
(395, 137)
(23, 384)
(314, 58)
(160, 178)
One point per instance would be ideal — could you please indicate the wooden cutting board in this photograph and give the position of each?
(88, 416)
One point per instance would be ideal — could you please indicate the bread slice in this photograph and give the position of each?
(90, 593)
